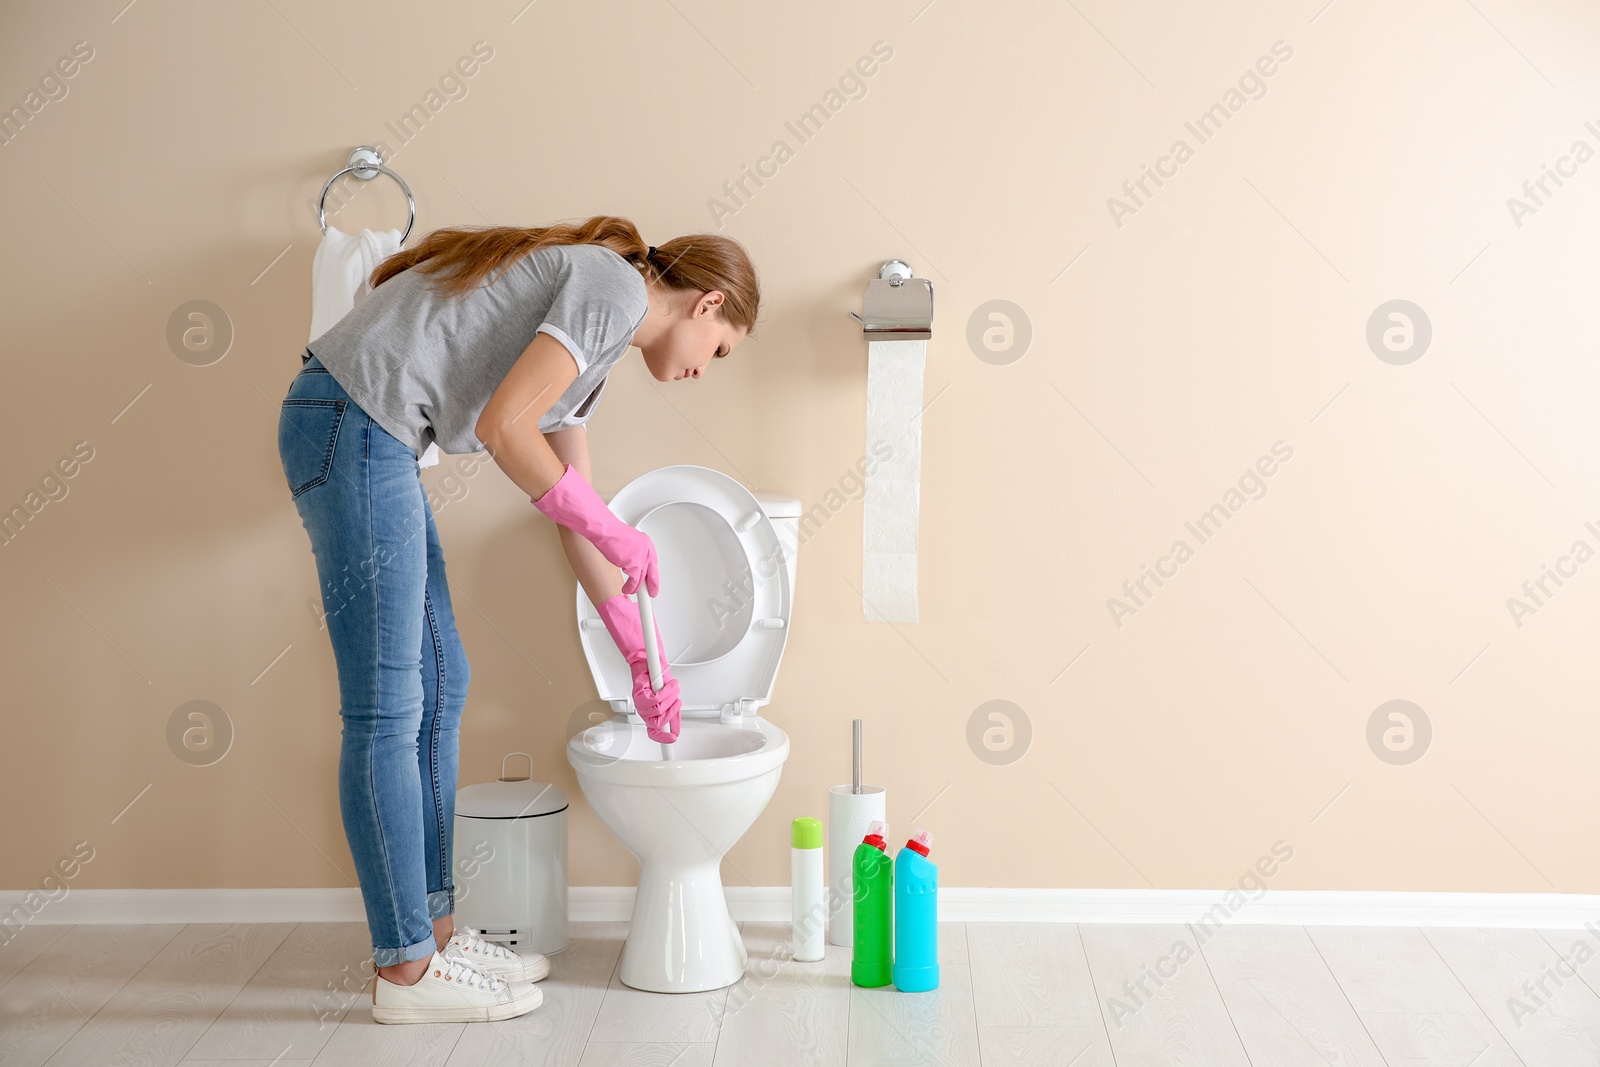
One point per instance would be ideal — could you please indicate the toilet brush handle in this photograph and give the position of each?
(647, 622)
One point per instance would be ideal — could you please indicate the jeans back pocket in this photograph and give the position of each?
(308, 429)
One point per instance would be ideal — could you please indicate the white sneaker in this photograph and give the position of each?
(491, 957)
(452, 990)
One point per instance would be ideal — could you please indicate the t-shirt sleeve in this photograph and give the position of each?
(596, 307)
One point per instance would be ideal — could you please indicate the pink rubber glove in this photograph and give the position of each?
(661, 709)
(573, 503)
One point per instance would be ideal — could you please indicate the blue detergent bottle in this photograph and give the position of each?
(916, 917)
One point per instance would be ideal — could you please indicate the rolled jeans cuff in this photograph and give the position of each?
(388, 957)
(441, 903)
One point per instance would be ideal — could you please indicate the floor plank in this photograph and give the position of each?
(1251, 937)
(1031, 975)
(1391, 968)
(164, 1009)
(360, 1042)
(1558, 1026)
(293, 1004)
(1420, 1039)
(647, 1054)
(938, 1028)
(22, 945)
(1044, 1046)
(1289, 1010)
(50, 999)
(1581, 951)
(785, 1013)
(1161, 1007)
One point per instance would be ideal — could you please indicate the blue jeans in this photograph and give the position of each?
(402, 671)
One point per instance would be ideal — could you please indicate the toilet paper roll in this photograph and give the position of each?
(891, 505)
(849, 815)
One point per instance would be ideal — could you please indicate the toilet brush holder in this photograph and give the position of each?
(849, 815)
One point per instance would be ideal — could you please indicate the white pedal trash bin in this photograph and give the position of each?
(511, 861)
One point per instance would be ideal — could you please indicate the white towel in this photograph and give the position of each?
(339, 273)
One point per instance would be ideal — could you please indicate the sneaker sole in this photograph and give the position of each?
(460, 1013)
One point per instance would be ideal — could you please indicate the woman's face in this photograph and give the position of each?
(692, 336)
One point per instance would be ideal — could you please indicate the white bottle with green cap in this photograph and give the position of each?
(808, 911)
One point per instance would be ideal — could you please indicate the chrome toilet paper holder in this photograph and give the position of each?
(897, 305)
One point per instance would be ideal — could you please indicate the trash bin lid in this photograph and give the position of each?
(510, 797)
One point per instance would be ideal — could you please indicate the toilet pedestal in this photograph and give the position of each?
(678, 818)
(658, 956)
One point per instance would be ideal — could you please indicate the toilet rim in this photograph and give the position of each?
(773, 752)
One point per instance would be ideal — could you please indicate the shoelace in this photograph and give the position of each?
(468, 939)
(461, 969)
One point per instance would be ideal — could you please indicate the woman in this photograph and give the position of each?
(493, 339)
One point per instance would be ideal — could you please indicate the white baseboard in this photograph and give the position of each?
(771, 904)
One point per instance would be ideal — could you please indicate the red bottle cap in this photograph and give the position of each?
(920, 841)
(875, 836)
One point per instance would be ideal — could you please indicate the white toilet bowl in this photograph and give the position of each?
(679, 817)
(723, 609)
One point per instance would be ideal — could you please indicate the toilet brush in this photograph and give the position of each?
(852, 808)
(652, 655)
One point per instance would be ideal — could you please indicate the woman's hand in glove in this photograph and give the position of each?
(660, 709)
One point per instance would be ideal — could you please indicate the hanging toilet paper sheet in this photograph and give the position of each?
(892, 502)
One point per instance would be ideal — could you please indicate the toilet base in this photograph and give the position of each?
(681, 938)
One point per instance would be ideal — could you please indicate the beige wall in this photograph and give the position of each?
(1226, 314)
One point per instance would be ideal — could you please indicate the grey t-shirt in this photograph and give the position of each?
(424, 364)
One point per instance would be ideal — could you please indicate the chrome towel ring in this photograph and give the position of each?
(366, 164)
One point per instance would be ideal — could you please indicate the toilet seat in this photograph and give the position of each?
(724, 602)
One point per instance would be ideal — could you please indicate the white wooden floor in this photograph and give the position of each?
(1044, 995)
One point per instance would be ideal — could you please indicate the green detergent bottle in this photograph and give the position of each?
(872, 942)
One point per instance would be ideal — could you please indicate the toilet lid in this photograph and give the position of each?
(724, 601)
